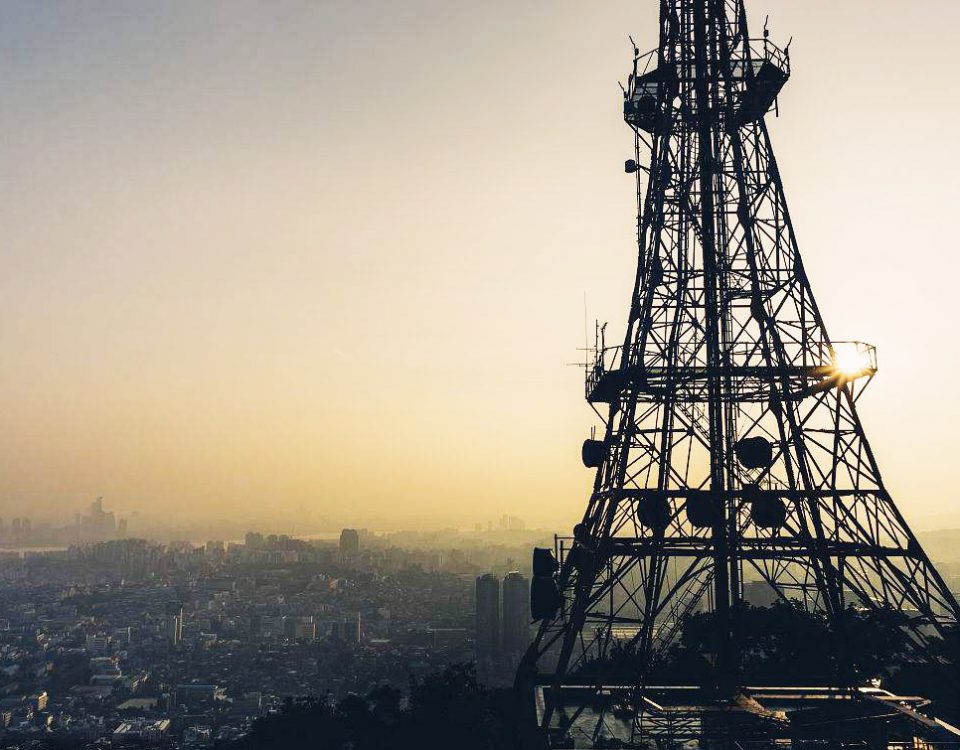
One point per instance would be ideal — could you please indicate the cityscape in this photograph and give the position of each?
(127, 641)
(303, 448)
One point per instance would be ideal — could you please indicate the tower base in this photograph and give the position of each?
(782, 717)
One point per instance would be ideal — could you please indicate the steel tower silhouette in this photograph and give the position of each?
(732, 446)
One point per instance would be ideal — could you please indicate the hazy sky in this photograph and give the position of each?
(262, 256)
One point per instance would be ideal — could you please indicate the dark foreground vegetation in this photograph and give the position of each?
(446, 710)
(781, 645)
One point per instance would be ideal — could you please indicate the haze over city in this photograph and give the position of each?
(330, 259)
(501, 376)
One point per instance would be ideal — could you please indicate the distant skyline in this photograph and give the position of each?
(264, 256)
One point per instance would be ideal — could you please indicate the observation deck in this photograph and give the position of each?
(757, 72)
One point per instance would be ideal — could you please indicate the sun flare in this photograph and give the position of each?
(851, 360)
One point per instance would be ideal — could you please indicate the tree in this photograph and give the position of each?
(446, 709)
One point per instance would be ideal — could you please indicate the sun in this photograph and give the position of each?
(851, 360)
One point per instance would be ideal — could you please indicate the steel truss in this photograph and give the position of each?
(724, 342)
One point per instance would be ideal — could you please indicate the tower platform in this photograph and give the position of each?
(769, 716)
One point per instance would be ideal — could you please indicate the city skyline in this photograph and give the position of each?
(502, 376)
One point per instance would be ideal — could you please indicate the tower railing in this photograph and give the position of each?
(757, 72)
(815, 367)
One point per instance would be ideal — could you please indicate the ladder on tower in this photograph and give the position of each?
(680, 608)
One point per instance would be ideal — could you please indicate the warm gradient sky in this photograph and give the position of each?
(333, 254)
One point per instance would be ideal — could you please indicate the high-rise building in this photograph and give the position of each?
(300, 628)
(214, 548)
(98, 523)
(173, 623)
(347, 630)
(354, 629)
(349, 542)
(488, 616)
(512, 523)
(515, 621)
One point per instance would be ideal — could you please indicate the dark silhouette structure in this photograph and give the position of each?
(732, 447)
(515, 614)
(349, 542)
(488, 617)
(173, 623)
(450, 704)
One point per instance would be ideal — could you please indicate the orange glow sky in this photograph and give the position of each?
(332, 255)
